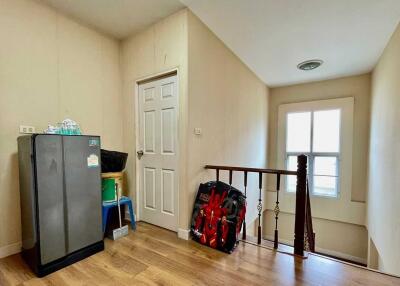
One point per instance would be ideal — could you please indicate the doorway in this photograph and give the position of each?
(157, 152)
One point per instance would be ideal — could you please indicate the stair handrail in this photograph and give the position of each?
(304, 237)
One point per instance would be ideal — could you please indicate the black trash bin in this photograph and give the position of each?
(113, 161)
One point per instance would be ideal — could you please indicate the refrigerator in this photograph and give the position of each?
(60, 194)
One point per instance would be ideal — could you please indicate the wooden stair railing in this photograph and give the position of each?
(309, 235)
(304, 237)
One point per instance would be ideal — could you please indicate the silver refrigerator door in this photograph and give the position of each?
(49, 179)
(82, 190)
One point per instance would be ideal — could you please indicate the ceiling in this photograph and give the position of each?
(272, 36)
(117, 18)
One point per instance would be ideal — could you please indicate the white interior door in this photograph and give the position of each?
(158, 140)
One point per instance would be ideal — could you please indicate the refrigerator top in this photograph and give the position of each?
(45, 134)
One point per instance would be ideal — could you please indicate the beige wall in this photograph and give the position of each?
(216, 89)
(158, 49)
(384, 159)
(50, 68)
(358, 87)
(344, 240)
(230, 104)
(328, 231)
(80, 74)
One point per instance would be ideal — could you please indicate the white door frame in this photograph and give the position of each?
(137, 145)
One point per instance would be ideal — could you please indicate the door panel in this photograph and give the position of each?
(167, 191)
(150, 188)
(158, 138)
(149, 131)
(149, 94)
(167, 131)
(167, 89)
(83, 191)
(49, 170)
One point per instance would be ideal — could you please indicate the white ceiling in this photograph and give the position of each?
(117, 18)
(273, 36)
(270, 36)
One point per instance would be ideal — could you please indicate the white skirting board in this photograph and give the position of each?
(325, 251)
(183, 233)
(10, 249)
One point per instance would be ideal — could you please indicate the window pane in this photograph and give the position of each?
(298, 132)
(325, 166)
(291, 180)
(292, 163)
(326, 137)
(325, 186)
(291, 184)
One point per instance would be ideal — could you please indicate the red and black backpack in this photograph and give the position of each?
(218, 214)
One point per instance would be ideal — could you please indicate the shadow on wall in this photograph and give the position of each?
(9, 180)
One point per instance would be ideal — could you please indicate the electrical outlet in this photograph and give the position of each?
(26, 129)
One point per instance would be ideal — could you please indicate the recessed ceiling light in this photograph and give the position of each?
(309, 65)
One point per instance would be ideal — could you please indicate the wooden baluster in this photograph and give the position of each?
(230, 177)
(259, 207)
(300, 205)
(309, 230)
(245, 195)
(217, 171)
(277, 210)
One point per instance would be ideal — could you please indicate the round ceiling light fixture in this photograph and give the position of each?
(309, 65)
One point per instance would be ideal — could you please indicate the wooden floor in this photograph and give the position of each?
(153, 256)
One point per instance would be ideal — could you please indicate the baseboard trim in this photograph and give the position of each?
(323, 251)
(345, 256)
(10, 249)
(183, 233)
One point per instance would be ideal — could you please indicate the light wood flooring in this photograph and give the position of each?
(154, 256)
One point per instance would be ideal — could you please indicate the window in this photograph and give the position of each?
(315, 133)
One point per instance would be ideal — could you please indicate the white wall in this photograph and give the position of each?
(50, 68)
(384, 158)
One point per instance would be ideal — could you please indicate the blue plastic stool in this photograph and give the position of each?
(109, 205)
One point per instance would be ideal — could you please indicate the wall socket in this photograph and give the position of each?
(25, 129)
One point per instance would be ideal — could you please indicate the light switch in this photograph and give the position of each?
(197, 131)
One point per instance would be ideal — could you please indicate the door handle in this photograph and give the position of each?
(140, 153)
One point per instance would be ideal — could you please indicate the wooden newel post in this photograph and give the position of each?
(300, 205)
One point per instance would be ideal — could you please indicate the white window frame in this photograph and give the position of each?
(344, 156)
(311, 156)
